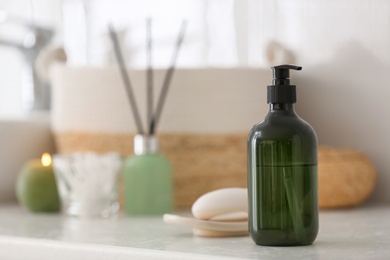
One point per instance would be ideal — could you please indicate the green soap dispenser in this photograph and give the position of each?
(282, 171)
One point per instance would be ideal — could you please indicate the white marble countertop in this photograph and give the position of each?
(361, 233)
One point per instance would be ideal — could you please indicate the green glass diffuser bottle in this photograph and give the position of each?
(282, 171)
(147, 175)
(147, 179)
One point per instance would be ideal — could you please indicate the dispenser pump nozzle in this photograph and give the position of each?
(281, 74)
(281, 91)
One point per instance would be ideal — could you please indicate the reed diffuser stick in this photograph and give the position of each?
(126, 79)
(149, 77)
(167, 79)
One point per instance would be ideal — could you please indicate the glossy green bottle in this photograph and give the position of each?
(282, 171)
(147, 179)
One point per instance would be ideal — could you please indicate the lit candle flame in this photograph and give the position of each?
(46, 159)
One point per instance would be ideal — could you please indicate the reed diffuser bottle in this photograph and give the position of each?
(282, 171)
(147, 174)
(147, 179)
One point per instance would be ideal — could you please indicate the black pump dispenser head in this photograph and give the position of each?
(281, 91)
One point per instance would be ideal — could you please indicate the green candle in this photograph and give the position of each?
(36, 188)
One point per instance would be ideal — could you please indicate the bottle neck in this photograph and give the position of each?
(285, 107)
(145, 144)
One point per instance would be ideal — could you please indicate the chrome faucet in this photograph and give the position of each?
(35, 92)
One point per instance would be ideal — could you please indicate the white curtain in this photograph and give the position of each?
(210, 37)
(219, 32)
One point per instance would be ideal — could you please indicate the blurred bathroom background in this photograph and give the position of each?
(343, 46)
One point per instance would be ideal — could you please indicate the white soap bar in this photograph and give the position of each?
(221, 202)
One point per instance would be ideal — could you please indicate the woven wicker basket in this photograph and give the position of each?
(346, 177)
(205, 162)
(201, 163)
